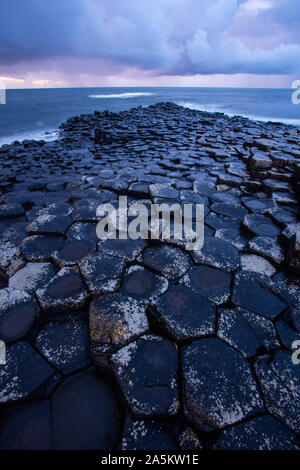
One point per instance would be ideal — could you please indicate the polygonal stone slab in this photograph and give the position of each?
(83, 231)
(218, 254)
(171, 262)
(142, 284)
(233, 211)
(86, 415)
(127, 249)
(40, 247)
(258, 205)
(281, 395)
(27, 427)
(218, 386)
(235, 330)
(260, 225)
(262, 433)
(65, 345)
(232, 236)
(184, 315)
(248, 293)
(32, 277)
(18, 312)
(72, 252)
(257, 264)
(49, 224)
(102, 272)
(263, 328)
(24, 372)
(147, 435)
(115, 320)
(211, 283)
(147, 372)
(163, 190)
(64, 292)
(267, 247)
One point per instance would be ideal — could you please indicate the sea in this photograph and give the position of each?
(37, 113)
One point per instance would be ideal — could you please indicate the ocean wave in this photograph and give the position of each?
(217, 108)
(121, 95)
(47, 135)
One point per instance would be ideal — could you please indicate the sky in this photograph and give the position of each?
(75, 43)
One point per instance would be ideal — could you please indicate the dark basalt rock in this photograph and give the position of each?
(267, 247)
(233, 211)
(72, 252)
(23, 374)
(85, 232)
(147, 373)
(49, 224)
(259, 205)
(218, 254)
(211, 283)
(86, 414)
(32, 277)
(101, 272)
(128, 249)
(147, 435)
(263, 328)
(232, 236)
(170, 262)
(235, 330)
(279, 382)
(39, 247)
(142, 284)
(163, 191)
(11, 210)
(27, 427)
(115, 320)
(260, 225)
(248, 293)
(18, 313)
(65, 345)
(184, 315)
(262, 433)
(65, 292)
(218, 386)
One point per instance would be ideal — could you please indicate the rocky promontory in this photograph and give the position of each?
(141, 344)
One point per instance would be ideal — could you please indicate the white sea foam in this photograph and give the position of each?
(121, 95)
(217, 108)
(47, 135)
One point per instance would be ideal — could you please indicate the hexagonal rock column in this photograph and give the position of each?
(115, 319)
(102, 272)
(262, 433)
(218, 386)
(86, 415)
(168, 261)
(280, 383)
(18, 312)
(143, 285)
(249, 294)
(64, 292)
(211, 283)
(147, 373)
(183, 314)
(24, 372)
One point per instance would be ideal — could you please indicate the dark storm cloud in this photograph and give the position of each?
(166, 36)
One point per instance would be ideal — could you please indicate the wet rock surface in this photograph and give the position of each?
(143, 344)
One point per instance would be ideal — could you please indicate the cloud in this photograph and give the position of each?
(175, 37)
